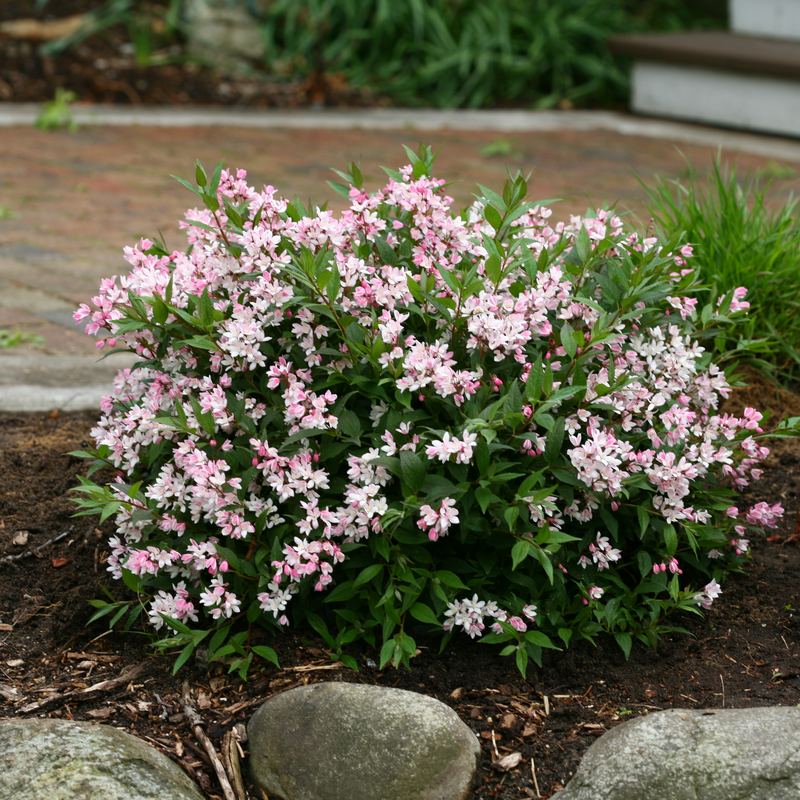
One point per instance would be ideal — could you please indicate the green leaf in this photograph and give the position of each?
(334, 284)
(522, 661)
(482, 457)
(554, 440)
(513, 401)
(318, 624)
(204, 418)
(493, 217)
(367, 574)
(644, 521)
(424, 613)
(183, 657)
(568, 339)
(624, 641)
(267, 653)
(450, 579)
(544, 560)
(540, 639)
(449, 277)
(387, 652)
(412, 470)
(493, 269)
(484, 497)
(510, 515)
(339, 188)
(533, 386)
(344, 591)
(350, 424)
(494, 198)
(520, 551)
(670, 539)
(215, 178)
(349, 662)
(160, 311)
(386, 252)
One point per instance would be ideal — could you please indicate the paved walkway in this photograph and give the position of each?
(69, 202)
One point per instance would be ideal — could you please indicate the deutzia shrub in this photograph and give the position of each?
(486, 423)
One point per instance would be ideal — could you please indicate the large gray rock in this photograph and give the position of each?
(62, 760)
(344, 741)
(223, 31)
(680, 754)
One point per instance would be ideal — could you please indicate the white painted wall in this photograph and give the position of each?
(779, 19)
(752, 102)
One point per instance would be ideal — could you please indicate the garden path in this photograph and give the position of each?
(70, 201)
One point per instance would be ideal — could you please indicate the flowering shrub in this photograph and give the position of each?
(399, 416)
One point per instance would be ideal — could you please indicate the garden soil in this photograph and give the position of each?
(103, 69)
(744, 653)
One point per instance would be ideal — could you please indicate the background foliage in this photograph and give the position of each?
(444, 53)
(452, 53)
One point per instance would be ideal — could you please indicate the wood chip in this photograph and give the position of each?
(41, 31)
(21, 538)
(100, 713)
(9, 692)
(4, 626)
(101, 658)
(507, 762)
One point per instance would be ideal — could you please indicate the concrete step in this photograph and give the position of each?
(716, 77)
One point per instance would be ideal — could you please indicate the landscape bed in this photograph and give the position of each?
(744, 653)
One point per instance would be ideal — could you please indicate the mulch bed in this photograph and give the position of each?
(103, 69)
(745, 653)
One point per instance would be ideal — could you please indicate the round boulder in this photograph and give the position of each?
(345, 741)
(63, 760)
(695, 754)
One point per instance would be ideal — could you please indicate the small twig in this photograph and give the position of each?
(312, 668)
(230, 751)
(723, 690)
(126, 676)
(200, 735)
(58, 538)
(494, 747)
(535, 782)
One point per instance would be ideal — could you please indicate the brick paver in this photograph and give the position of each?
(69, 202)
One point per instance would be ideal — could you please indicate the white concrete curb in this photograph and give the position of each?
(503, 121)
(29, 398)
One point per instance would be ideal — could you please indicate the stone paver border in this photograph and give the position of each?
(422, 119)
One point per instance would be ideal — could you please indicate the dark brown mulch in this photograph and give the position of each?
(745, 653)
(103, 69)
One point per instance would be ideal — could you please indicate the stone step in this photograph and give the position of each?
(716, 77)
